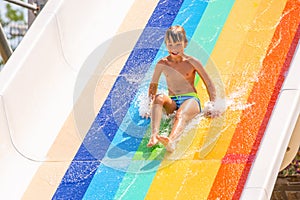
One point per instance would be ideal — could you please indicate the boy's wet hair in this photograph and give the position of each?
(176, 34)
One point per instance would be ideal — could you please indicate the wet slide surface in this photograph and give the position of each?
(245, 46)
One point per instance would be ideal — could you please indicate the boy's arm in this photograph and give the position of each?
(211, 89)
(209, 85)
(152, 90)
(154, 82)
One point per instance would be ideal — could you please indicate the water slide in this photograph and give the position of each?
(72, 93)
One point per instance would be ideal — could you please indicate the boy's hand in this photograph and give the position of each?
(211, 111)
(146, 115)
(212, 114)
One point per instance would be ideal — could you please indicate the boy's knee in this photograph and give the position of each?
(158, 99)
(182, 116)
(179, 115)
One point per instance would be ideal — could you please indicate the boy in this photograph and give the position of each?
(179, 70)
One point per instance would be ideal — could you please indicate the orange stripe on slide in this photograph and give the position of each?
(248, 134)
(271, 105)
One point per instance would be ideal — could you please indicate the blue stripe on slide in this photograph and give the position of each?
(189, 16)
(209, 28)
(107, 178)
(85, 163)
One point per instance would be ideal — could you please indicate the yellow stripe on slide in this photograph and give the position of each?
(247, 63)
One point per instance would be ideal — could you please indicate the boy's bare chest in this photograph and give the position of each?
(183, 68)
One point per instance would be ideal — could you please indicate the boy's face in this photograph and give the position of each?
(175, 48)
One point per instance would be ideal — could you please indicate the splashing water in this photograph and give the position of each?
(216, 109)
(233, 102)
(144, 104)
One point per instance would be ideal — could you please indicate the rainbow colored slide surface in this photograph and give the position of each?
(72, 91)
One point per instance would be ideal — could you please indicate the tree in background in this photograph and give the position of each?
(12, 19)
(15, 15)
(14, 24)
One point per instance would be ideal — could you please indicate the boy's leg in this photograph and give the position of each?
(159, 102)
(187, 111)
(156, 114)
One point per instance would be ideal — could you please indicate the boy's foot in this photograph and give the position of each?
(152, 141)
(170, 147)
(163, 139)
(169, 144)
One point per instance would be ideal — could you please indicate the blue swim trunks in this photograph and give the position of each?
(179, 99)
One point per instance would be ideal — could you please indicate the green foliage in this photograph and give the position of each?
(11, 14)
(14, 14)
